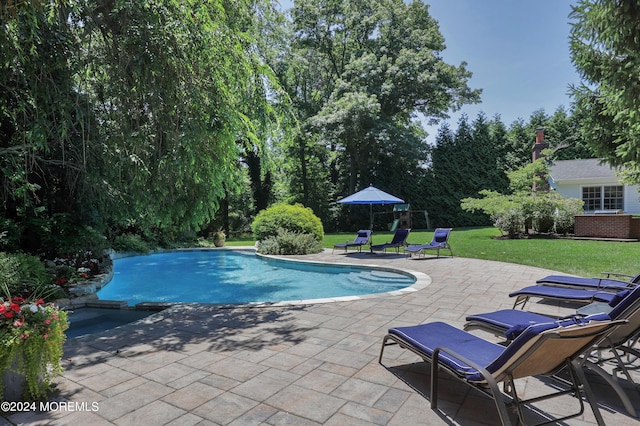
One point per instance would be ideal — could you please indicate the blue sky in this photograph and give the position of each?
(517, 50)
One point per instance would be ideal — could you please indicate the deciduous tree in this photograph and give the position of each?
(365, 72)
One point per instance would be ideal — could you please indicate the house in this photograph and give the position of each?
(594, 183)
(610, 206)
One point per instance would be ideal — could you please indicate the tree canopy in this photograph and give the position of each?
(604, 49)
(363, 74)
(129, 112)
(161, 116)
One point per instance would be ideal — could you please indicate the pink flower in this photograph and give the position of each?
(17, 323)
(47, 321)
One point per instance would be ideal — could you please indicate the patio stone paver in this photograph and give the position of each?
(306, 403)
(192, 395)
(157, 412)
(224, 408)
(306, 364)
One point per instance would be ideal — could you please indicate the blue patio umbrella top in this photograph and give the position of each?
(371, 195)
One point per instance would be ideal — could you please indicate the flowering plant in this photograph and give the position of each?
(72, 269)
(31, 339)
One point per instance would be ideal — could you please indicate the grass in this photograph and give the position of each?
(579, 257)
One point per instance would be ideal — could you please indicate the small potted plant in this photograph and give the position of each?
(219, 238)
(31, 338)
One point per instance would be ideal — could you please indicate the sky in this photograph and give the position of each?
(517, 50)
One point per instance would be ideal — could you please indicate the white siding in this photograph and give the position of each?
(570, 191)
(631, 200)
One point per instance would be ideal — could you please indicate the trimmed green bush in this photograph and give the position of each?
(294, 218)
(287, 242)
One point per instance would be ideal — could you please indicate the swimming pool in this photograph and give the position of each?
(85, 321)
(240, 276)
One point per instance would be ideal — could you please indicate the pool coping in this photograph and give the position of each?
(91, 300)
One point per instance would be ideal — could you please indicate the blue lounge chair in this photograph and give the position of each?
(542, 349)
(399, 240)
(440, 241)
(626, 306)
(560, 293)
(606, 282)
(362, 238)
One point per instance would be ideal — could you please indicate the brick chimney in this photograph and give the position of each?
(539, 145)
(537, 153)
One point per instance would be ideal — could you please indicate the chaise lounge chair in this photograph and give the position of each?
(399, 240)
(362, 238)
(560, 293)
(625, 307)
(606, 282)
(440, 241)
(542, 349)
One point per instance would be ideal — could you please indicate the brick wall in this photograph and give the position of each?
(622, 226)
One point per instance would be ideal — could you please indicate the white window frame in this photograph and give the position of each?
(601, 188)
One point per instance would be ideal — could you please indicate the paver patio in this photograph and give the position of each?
(303, 364)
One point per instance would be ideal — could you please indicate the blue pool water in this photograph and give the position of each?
(229, 276)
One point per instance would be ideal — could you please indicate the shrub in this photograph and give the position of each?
(130, 243)
(9, 271)
(287, 243)
(510, 222)
(25, 275)
(565, 215)
(10, 235)
(61, 235)
(544, 212)
(294, 218)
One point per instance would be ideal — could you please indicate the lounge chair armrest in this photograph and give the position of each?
(479, 369)
(622, 282)
(454, 354)
(616, 274)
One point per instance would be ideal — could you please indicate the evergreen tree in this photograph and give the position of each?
(604, 49)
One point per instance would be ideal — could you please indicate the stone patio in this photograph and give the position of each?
(304, 364)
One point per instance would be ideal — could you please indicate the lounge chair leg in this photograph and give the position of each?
(384, 345)
(521, 300)
(580, 377)
(434, 384)
(614, 384)
(497, 395)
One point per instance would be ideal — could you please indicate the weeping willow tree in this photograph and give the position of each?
(115, 111)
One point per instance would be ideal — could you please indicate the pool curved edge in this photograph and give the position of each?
(422, 280)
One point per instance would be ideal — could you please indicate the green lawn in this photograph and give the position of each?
(585, 258)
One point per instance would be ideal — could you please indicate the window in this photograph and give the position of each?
(603, 197)
(612, 199)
